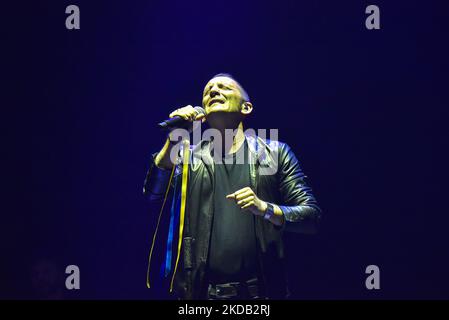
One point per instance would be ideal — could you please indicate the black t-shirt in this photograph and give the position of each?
(233, 251)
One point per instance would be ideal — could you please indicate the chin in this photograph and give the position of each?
(217, 109)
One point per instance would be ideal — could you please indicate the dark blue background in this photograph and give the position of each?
(365, 111)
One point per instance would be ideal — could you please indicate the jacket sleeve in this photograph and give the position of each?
(156, 181)
(300, 209)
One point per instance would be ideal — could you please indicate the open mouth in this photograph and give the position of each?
(214, 101)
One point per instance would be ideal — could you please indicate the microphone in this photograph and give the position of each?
(179, 122)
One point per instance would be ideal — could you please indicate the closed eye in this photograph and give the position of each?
(220, 86)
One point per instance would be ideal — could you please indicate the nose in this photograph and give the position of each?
(214, 91)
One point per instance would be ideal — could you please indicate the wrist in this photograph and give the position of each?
(263, 206)
(269, 211)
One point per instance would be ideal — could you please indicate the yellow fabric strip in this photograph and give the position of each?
(185, 171)
(157, 226)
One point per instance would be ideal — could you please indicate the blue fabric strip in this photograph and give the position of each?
(174, 213)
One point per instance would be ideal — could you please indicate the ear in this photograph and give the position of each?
(247, 108)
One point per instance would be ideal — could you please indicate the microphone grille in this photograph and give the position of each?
(200, 110)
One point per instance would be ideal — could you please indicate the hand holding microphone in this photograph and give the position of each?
(180, 118)
(183, 117)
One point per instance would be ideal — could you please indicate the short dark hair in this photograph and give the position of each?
(245, 95)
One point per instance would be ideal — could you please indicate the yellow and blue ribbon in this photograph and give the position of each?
(174, 215)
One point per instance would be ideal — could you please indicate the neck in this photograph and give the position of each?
(232, 137)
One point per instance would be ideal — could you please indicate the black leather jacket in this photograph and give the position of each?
(276, 177)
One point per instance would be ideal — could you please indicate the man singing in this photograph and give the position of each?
(236, 196)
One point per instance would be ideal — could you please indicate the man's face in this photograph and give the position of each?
(222, 94)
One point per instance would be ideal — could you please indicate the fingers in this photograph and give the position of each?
(201, 116)
(238, 192)
(245, 198)
(187, 113)
(248, 205)
(244, 195)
